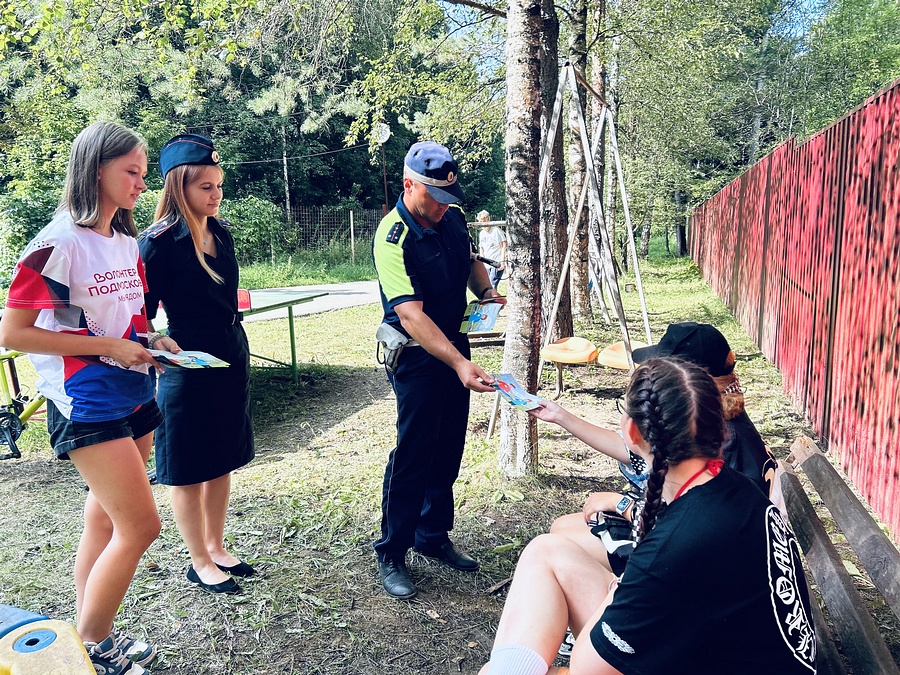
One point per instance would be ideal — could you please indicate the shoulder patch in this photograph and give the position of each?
(394, 234)
(158, 228)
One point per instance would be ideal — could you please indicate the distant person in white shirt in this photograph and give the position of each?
(492, 245)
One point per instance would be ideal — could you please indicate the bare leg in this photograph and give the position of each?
(120, 524)
(559, 577)
(215, 506)
(188, 505)
(98, 529)
(574, 528)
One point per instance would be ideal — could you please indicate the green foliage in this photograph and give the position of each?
(306, 268)
(260, 231)
(21, 218)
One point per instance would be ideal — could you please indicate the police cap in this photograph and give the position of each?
(187, 149)
(432, 165)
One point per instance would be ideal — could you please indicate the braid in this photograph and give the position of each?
(678, 410)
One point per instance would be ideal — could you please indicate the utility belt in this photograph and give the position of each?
(390, 344)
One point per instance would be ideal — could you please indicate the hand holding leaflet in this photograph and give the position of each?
(185, 359)
(513, 393)
(481, 315)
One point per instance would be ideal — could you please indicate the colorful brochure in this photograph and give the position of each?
(188, 359)
(513, 393)
(480, 316)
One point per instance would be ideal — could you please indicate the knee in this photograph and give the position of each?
(539, 550)
(144, 532)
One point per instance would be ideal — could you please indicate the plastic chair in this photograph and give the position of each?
(614, 356)
(568, 350)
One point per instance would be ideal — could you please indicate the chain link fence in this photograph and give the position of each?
(316, 228)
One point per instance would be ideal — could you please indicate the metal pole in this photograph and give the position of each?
(384, 208)
(352, 240)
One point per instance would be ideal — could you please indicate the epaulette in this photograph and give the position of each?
(459, 208)
(225, 223)
(396, 232)
(159, 227)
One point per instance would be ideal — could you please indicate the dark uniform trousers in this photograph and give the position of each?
(432, 417)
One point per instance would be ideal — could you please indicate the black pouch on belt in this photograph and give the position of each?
(390, 343)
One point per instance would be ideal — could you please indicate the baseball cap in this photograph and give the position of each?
(187, 149)
(698, 342)
(432, 165)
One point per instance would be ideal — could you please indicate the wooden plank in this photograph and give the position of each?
(861, 642)
(828, 658)
(875, 551)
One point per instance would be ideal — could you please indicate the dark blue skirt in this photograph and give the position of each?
(207, 430)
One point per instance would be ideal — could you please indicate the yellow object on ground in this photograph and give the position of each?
(48, 647)
(614, 356)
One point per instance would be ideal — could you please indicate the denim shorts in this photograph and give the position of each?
(67, 435)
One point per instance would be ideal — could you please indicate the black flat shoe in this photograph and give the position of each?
(395, 579)
(229, 586)
(242, 569)
(451, 556)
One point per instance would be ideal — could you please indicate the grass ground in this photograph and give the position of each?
(307, 509)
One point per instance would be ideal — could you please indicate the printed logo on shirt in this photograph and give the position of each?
(615, 640)
(785, 579)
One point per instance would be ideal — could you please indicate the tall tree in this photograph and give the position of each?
(518, 432)
(554, 212)
(579, 277)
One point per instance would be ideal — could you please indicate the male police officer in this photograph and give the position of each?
(423, 257)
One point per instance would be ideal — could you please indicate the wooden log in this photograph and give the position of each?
(861, 642)
(828, 658)
(875, 550)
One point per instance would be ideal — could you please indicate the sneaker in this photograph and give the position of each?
(142, 653)
(565, 649)
(108, 659)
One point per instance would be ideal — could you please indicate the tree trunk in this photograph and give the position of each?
(554, 215)
(681, 217)
(578, 275)
(518, 432)
(645, 233)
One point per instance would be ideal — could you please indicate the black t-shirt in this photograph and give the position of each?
(716, 588)
(744, 450)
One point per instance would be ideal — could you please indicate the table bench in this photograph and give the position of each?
(854, 637)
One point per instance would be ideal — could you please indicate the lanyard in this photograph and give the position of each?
(713, 466)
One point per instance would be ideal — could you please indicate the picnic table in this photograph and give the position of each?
(269, 302)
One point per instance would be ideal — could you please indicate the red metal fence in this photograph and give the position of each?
(805, 249)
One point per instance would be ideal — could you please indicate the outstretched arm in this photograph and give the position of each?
(603, 440)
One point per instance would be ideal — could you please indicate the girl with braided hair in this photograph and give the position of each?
(743, 449)
(714, 585)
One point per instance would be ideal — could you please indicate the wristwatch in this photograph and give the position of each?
(624, 505)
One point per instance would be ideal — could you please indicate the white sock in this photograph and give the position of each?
(517, 660)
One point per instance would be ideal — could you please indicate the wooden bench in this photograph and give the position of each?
(855, 637)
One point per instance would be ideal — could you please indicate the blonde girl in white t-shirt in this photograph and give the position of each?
(76, 305)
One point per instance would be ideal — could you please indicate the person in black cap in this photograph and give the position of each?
(423, 256)
(743, 450)
(191, 268)
(715, 584)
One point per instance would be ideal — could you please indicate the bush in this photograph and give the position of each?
(21, 218)
(260, 231)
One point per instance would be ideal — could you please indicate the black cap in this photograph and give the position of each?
(187, 149)
(698, 342)
(432, 165)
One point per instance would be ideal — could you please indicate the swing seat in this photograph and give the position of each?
(614, 356)
(568, 350)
